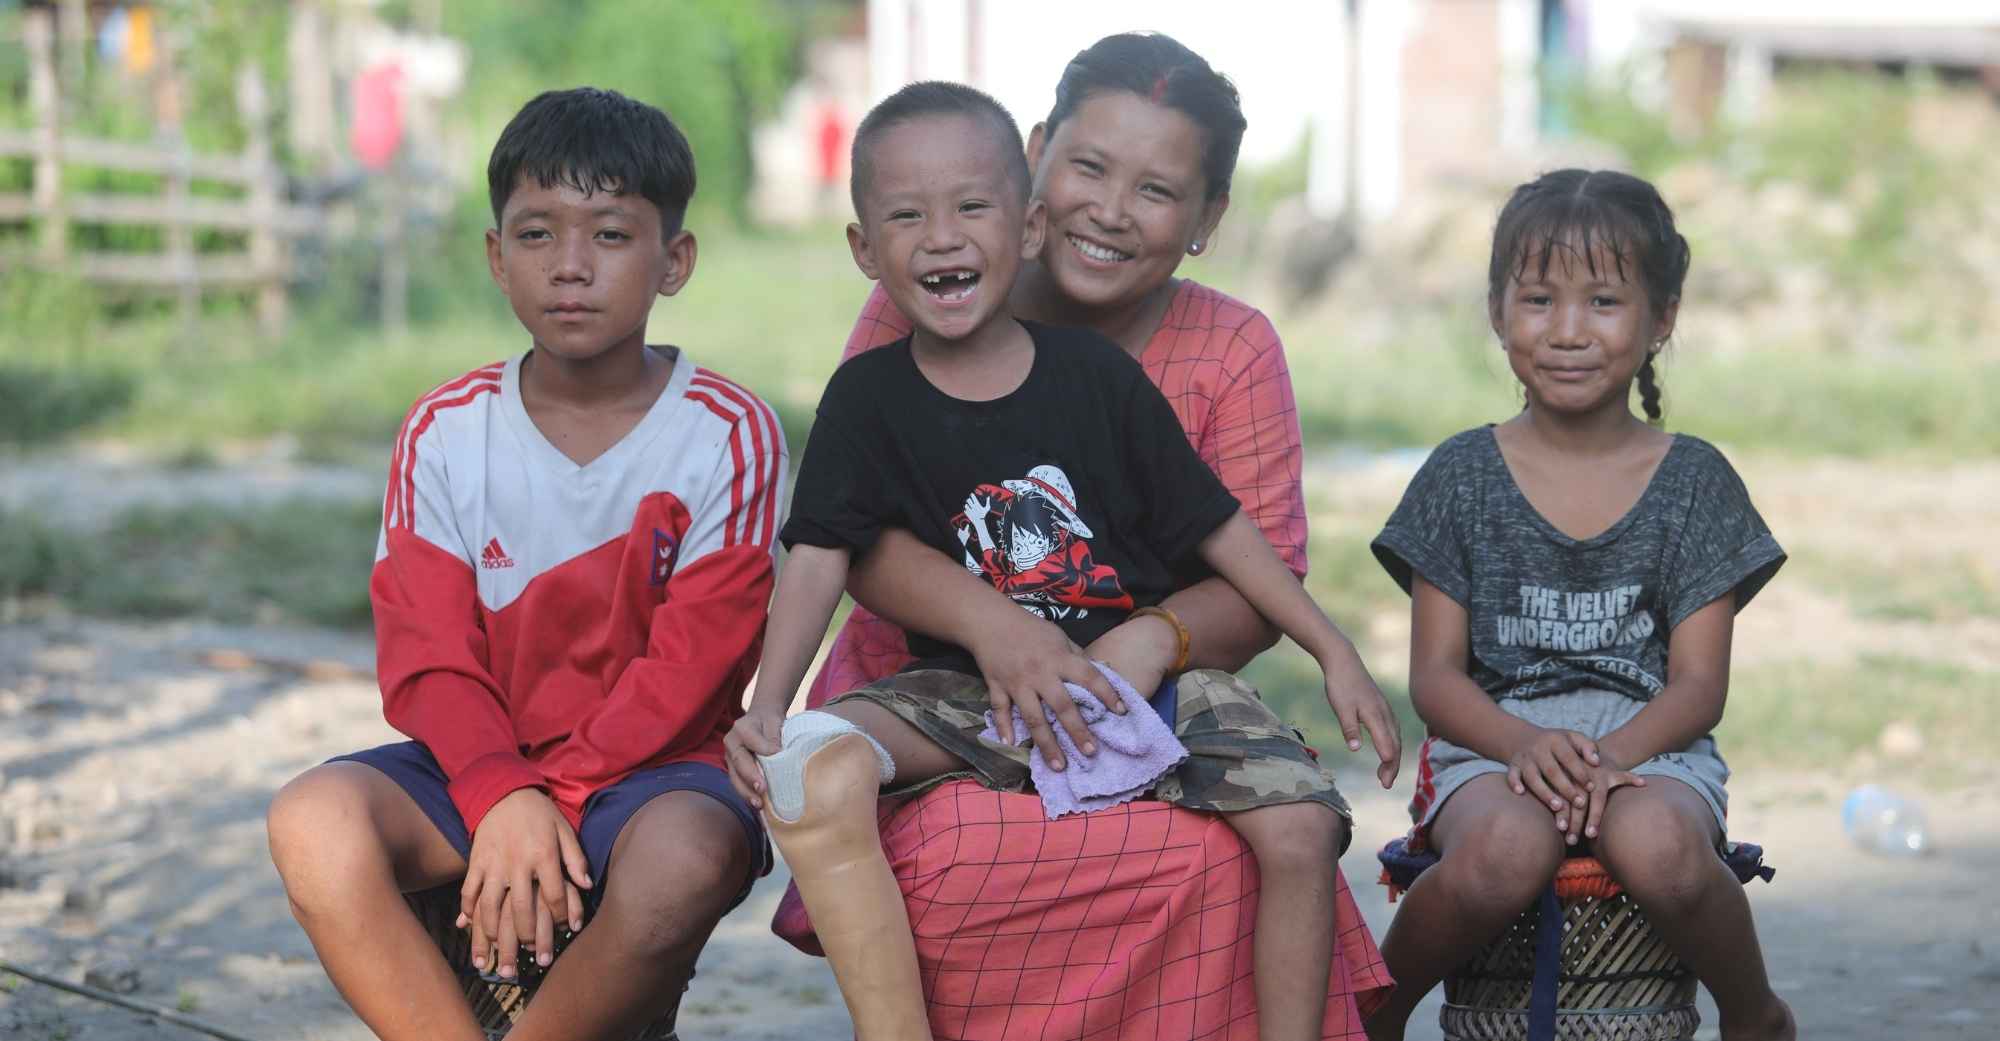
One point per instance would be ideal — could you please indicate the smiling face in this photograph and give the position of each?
(943, 226)
(1122, 179)
(581, 271)
(1576, 329)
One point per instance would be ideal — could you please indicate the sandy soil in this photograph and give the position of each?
(138, 761)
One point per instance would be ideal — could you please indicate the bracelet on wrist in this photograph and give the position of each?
(1183, 641)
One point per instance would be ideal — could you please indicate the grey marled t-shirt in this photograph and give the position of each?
(1551, 614)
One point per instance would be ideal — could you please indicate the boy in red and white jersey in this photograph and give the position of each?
(569, 594)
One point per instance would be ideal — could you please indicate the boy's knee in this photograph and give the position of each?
(1301, 839)
(318, 809)
(679, 871)
(323, 832)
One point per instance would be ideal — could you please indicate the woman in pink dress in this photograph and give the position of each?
(1089, 928)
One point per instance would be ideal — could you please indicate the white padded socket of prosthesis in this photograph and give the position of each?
(804, 734)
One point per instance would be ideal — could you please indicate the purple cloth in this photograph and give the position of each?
(1133, 751)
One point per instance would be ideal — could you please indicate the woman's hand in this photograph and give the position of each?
(1556, 767)
(757, 733)
(1026, 660)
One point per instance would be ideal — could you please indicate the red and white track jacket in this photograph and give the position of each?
(544, 624)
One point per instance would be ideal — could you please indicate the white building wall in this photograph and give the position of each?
(1275, 51)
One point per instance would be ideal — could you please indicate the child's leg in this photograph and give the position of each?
(1659, 843)
(678, 865)
(348, 842)
(1298, 848)
(1499, 851)
(831, 844)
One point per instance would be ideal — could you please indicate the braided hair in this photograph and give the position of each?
(1601, 207)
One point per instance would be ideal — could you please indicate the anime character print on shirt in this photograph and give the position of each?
(1026, 538)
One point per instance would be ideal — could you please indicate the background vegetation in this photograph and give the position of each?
(1843, 305)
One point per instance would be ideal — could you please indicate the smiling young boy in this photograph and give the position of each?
(569, 592)
(1045, 460)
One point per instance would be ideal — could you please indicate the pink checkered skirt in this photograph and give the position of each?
(1120, 925)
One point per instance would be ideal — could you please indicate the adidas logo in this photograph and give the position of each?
(493, 556)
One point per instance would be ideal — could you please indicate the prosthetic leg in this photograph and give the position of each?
(822, 787)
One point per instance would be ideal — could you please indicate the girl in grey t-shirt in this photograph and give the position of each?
(1574, 575)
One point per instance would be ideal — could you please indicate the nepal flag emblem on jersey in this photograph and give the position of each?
(666, 549)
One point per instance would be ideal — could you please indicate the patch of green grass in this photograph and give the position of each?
(1419, 391)
(1345, 578)
(296, 561)
(1819, 716)
(1955, 588)
(769, 311)
(48, 390)
(1290, 682)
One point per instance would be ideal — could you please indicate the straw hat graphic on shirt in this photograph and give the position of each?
(1032, 545)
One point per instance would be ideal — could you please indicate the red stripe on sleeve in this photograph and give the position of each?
(736, 451)
(761, 523)
(409, 476)
(395, 505)
(748, 518)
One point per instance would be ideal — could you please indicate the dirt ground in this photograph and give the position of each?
(139, 759)
(136, 762)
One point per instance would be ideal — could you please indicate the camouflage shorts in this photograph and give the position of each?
(1241, 755)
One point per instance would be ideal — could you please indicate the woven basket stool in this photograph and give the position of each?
(1582, 964)
(497, 1002)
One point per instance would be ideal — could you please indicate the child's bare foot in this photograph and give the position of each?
(1776, 1024)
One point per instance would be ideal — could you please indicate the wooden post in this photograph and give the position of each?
(38, 32)
(266, 184)
(73, 29)
(180, 239)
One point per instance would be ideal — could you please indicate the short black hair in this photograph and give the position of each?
(595, 141)
(1162, 70)
(934, 98)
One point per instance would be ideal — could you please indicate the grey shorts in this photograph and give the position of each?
(1446, 766)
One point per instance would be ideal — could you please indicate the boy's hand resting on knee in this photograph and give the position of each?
(1025, 664)
(522, 878)
(757, 733)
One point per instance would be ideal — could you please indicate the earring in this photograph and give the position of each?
(1194, 248)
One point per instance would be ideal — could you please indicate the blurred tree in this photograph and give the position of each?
(714, 65)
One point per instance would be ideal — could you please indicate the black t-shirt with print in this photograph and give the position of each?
(1077, 494)
(1551, 614)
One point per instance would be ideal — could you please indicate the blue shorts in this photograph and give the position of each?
(416, 771)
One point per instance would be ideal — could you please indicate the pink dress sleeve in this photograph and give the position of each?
(1253, 443)
(878, 325)
(868, 647)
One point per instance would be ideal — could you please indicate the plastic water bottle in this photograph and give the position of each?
(1881, 821)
